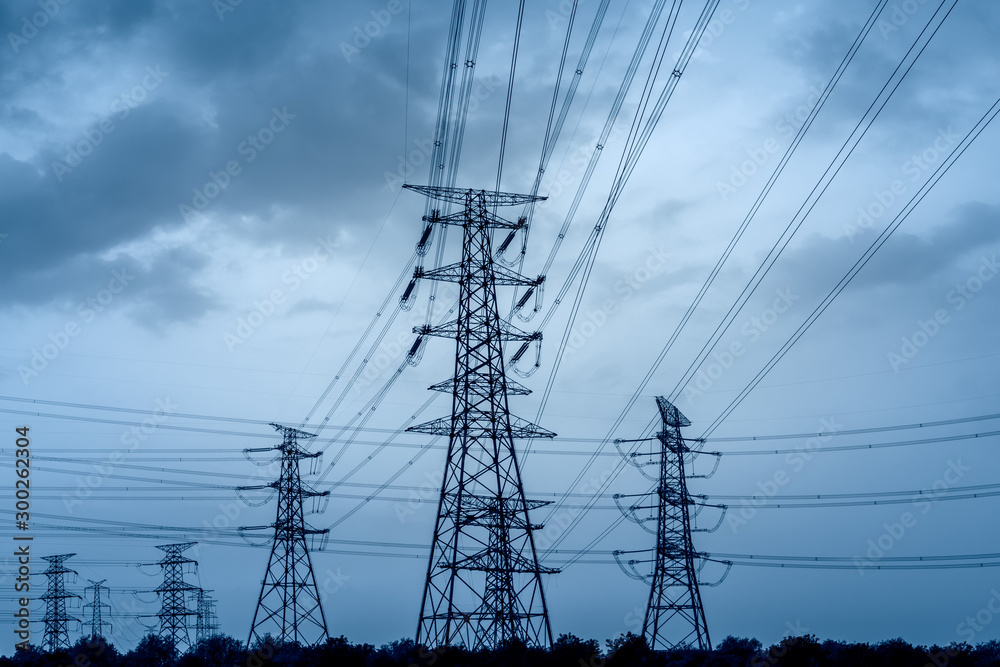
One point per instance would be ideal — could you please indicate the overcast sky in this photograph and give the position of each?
(169, 168)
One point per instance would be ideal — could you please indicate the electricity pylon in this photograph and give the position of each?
(207, 622)
(675, 615)
(289, 607)
(97, 607)
(173, 592)
(56, 620)
(484, 583)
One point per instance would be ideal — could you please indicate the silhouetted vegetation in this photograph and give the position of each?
(568, 651)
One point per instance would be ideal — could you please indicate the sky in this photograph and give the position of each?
(201, 212)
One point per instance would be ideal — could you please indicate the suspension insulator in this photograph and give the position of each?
(520, 353)
(416, 352)
(506, 243)
(524, 298)
(422, 244)
(410, 294)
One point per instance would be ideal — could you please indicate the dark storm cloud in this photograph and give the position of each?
(913, 268)
(281, 109)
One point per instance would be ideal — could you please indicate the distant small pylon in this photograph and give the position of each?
(173, 593)
(207, 623)
(289, 608)
(97, 608)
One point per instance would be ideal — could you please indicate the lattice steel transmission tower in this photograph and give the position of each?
(675, 615)
(289, 606)
(56, 619)
(173, 592)
(207, 623)
(97, 607)
(484, 583)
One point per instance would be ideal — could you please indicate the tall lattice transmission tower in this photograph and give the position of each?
(56, 619)
(174, 593)
(289, 606)
(675, 615)
(97, 607)
(484, 583)
(208, 623)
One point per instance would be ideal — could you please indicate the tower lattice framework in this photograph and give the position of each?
(174, 593)
(675, 615)
(289, 607)
(97, 607)
(484, 582)
(56, 620)
(207, 624)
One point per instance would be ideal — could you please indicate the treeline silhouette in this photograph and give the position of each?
(568, 651)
